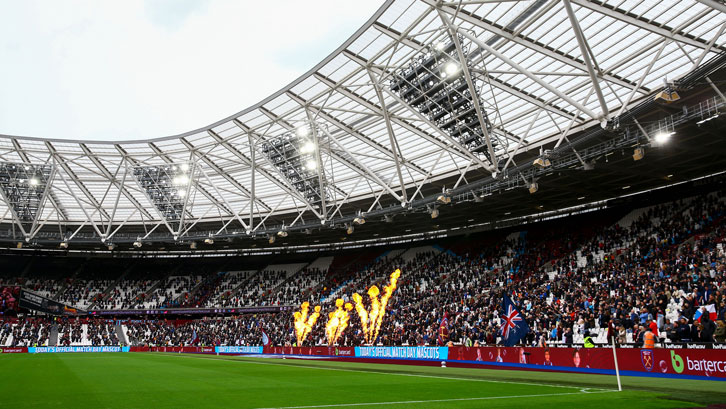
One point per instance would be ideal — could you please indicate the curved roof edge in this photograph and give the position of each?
(262, 102)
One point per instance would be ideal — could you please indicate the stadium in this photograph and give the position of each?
(473, 203)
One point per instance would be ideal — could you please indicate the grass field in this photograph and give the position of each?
(154, 380)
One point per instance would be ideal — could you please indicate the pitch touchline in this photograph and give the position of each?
(337, 405)
(383, 373)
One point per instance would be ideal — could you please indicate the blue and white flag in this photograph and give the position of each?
(514, 327)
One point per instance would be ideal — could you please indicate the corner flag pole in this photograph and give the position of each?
(617, 371)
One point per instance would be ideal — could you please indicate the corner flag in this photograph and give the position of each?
(514, 327)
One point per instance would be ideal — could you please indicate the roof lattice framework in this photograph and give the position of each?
(546, 69)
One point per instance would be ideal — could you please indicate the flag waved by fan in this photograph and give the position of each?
(710, 309)
(514, 327)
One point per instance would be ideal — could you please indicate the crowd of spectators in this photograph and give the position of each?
(25, 333)
(241, 330)
(653, 271)
(83, 293)
(70, 332)
(9, 299)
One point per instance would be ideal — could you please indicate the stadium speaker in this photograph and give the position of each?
(542, 163)
(533, 188)
(667, 96)
(444, 199)
(638, 153)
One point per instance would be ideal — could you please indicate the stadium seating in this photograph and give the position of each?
(604, 273)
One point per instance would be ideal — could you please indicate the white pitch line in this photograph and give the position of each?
(404, 402)
(385, 373)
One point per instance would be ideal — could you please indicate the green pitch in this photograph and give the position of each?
(148, 380)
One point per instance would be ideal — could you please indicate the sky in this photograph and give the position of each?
(138, 69)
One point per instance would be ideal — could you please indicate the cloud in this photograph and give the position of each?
(88, 69)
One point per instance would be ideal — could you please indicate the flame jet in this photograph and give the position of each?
(372, 320)
(362, 312)
(303, 323)
(311, 321)
(343, 318)
(331, 328)
(387, 293)
(337, 321)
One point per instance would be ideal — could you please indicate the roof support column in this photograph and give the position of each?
(582, 42)
(527, 73)
(472, 89)
(391, 136)
(319, 160)
(253, 165)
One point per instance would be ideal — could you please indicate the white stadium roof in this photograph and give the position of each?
(545, 69)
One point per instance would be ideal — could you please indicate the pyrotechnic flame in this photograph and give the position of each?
(343, 319)
(362, 312)
(312, 319)
(387, 293)
(372, 320)
(333, 321)
(337, 321)
(303, 323)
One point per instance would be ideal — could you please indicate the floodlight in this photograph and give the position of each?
(282, 233)
(22, 186)
(312, 164)
(661, 138)
(209, 240)
(64, 245)
(181, 180)
(307, 147)
(184, 167)
(451, 68)
(359, 220)
(302, 131)
(444, 199)
(439, 46)
(138, 244)
(703, 121)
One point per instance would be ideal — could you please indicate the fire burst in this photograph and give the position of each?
(372, 320)
(303, 323)
(337, 321)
